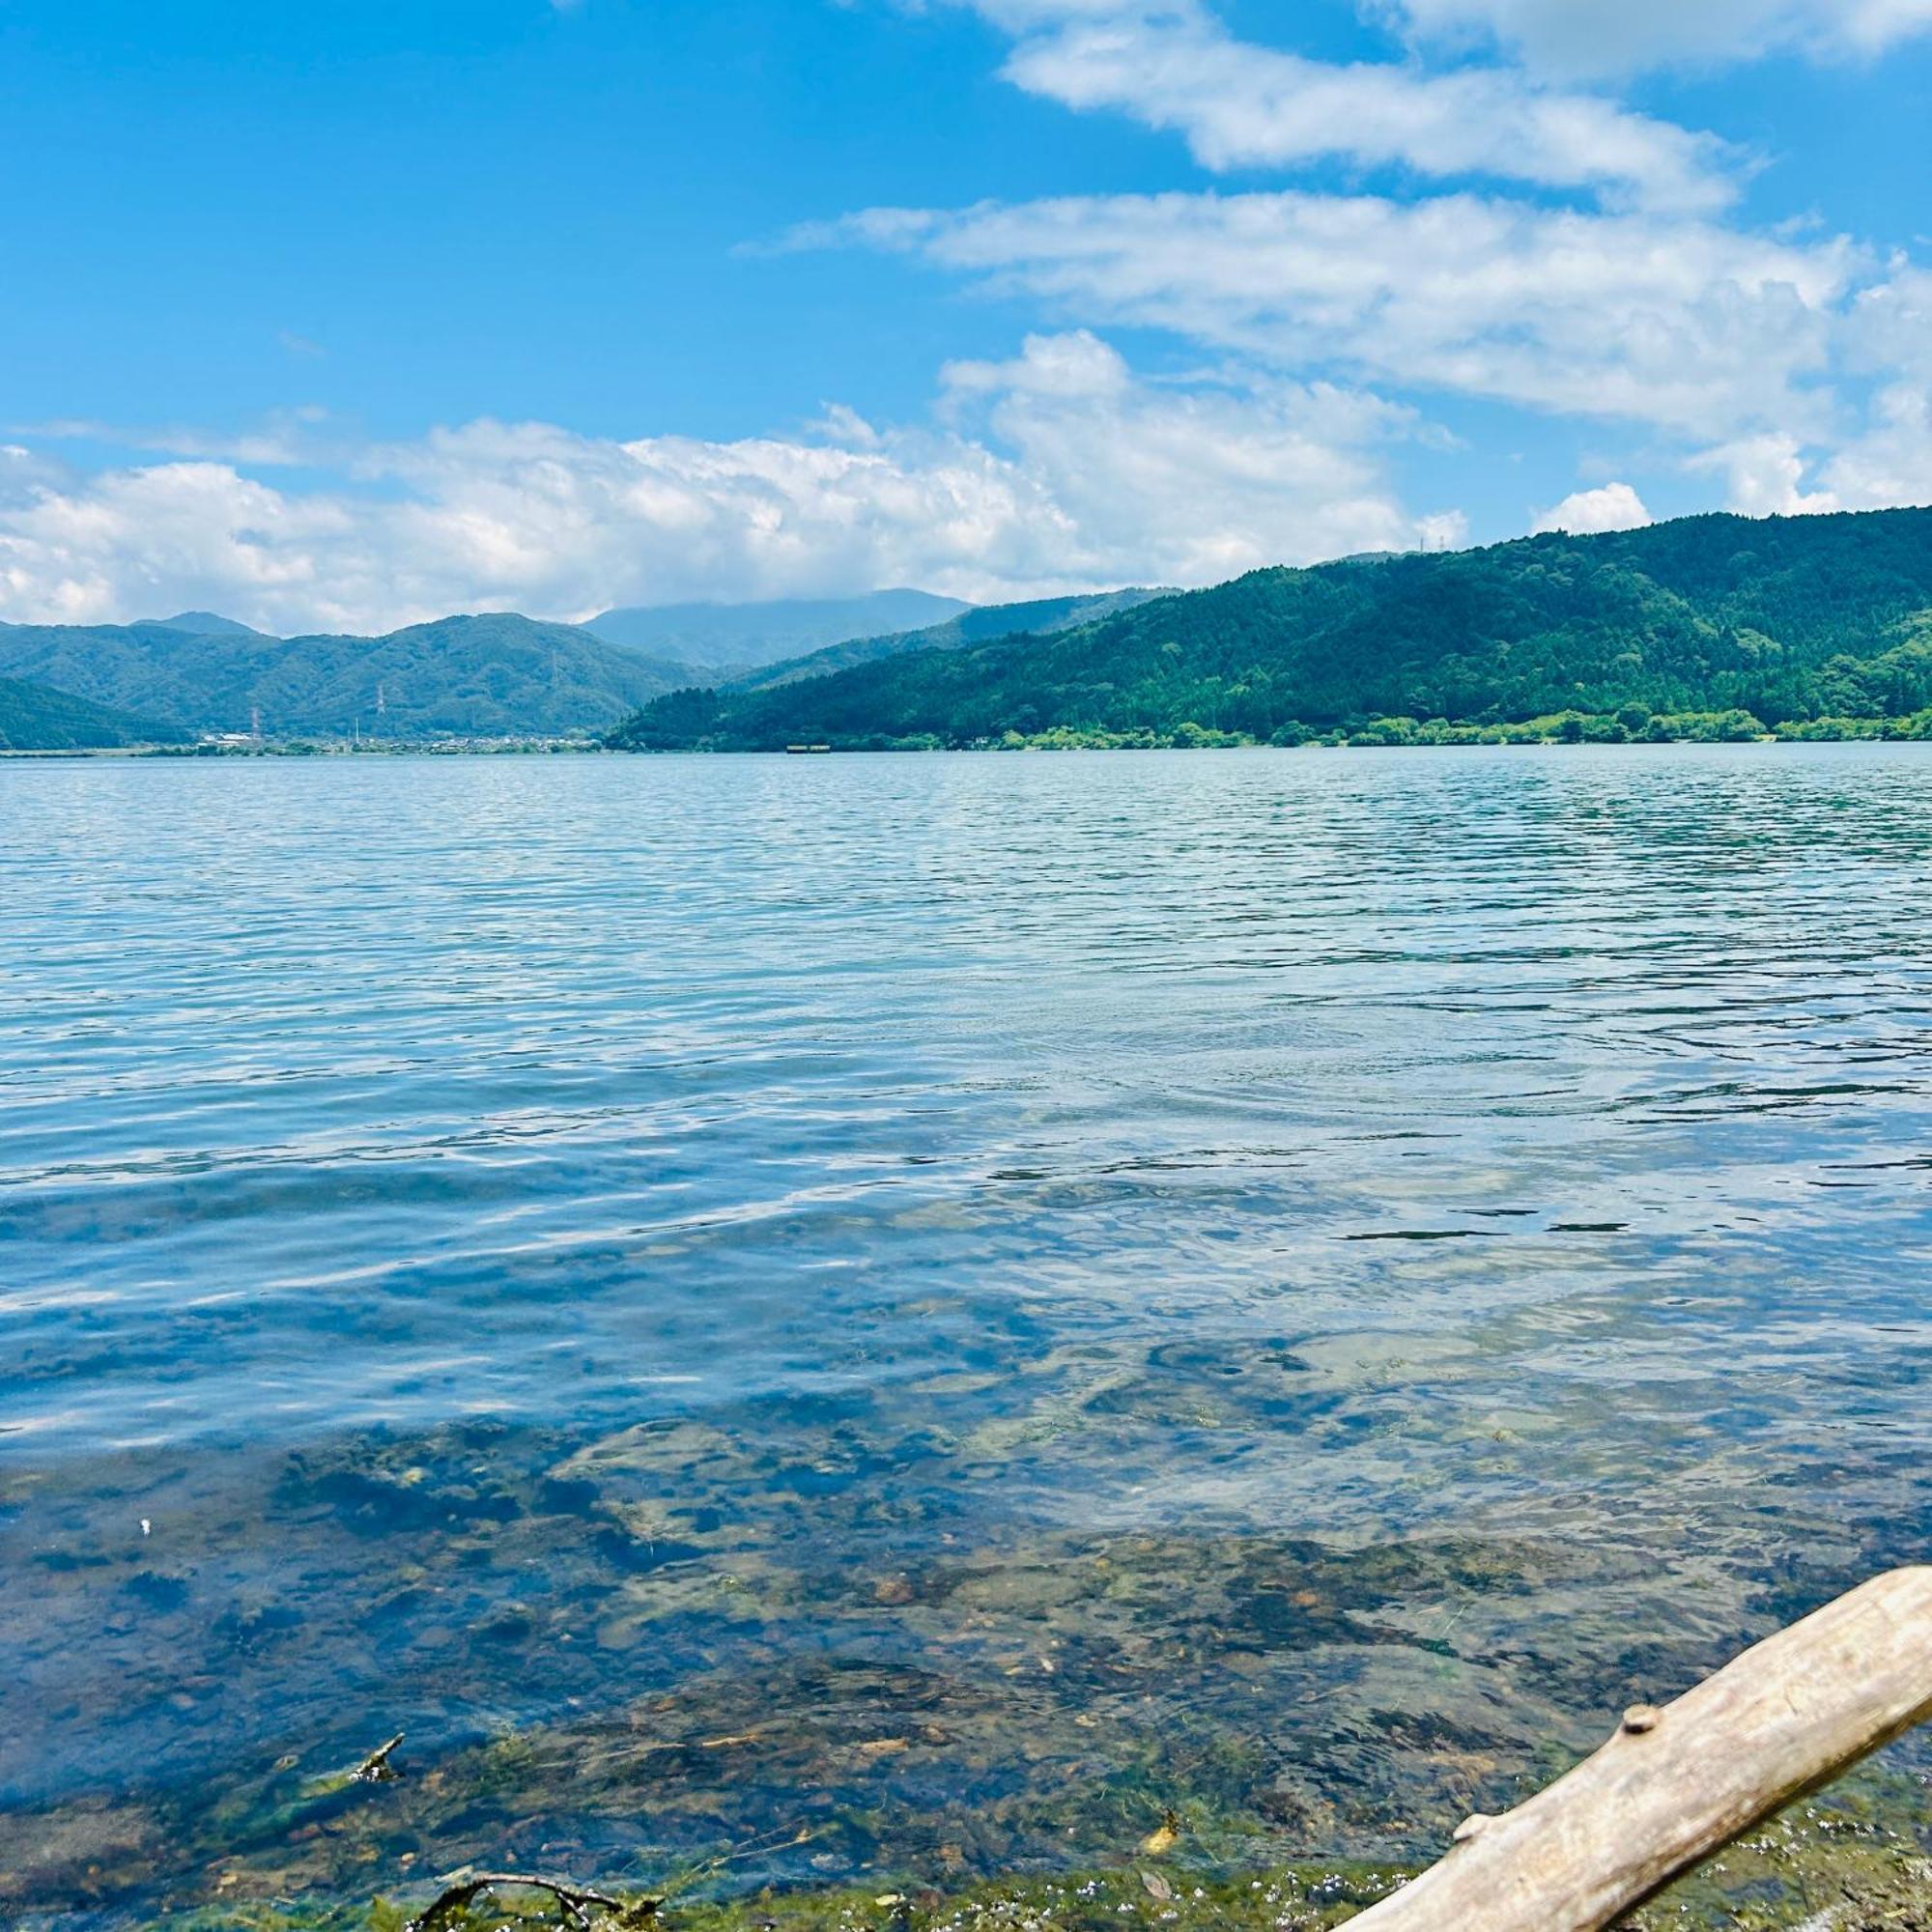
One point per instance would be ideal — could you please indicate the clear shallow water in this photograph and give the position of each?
(947, 1303)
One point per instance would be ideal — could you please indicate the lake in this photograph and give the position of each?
(919, 1314)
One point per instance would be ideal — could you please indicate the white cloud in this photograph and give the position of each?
(1574, 38)
(1889, 326)
(1686, 325)
(1202, 483)
(1891, 462)
(1239, 105)
(1882, 455)
(284, 437)
(1766, 476)
(26, 474)
(1057, 470)
(71, 551)
(1880, 451)
(1615, 506)
(1890, 338)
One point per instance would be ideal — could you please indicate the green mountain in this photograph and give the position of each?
(204, 624)
(1781, 622)
(742, 637)
(37, 718)
(488, 676)
(974, 625)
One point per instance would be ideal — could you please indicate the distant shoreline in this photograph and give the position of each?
(410, 749)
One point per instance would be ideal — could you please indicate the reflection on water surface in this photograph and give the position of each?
(953, 1304)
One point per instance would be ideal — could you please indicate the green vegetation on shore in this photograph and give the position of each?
(1710, 628)
(1633, 725)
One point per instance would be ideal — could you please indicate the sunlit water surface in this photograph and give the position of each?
(945, 1305)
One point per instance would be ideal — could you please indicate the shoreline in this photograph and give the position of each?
(410, 749)
(1856, 1857)
(1381, 735)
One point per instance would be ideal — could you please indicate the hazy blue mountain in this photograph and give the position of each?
(742, 637)
(472, 677)
(37, 718)
(1783, 622)
(205, 624)
(976, 624)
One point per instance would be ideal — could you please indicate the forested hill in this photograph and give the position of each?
(35, 717)
(973, 626)
(1776, 621)
(483, 676)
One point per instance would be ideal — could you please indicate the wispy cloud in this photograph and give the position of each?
(285, 437)
(1682, 325)
(1239, 105)
(1596, 267)
(1598, 38)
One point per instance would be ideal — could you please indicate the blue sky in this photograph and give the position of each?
(343, 315)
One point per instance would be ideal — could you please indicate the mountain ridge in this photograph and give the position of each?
(1778, 619)
(202, 624)
(729, 638)
(493, 674)
(977, 623)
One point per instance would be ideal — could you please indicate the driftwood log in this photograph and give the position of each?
(1676, 1784)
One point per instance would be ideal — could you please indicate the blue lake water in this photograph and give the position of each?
(934, 1307)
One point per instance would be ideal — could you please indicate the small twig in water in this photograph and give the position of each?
(783, 1836)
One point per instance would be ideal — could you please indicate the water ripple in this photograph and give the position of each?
(465, 1206)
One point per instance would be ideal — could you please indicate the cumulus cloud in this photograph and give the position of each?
(1883, 456)
(1688, 326)
(1615, 507)
(1892, 461)
(1057, 470)
(1889, 341)
(1765, 474)
(1210, 480)
(1239, 105)
(70, 553)
(1889, 326)
(1594, 38)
